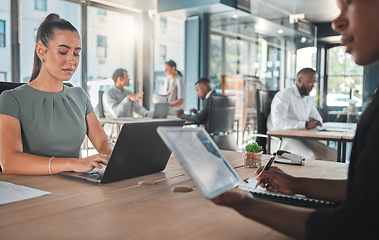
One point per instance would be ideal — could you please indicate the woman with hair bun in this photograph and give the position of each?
(175, 87)
(43, 123)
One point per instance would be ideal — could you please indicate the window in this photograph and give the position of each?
(168, 44)
(111, 45)
(162, 54)
(40, 5)
(215, 64)
(101, 46)
(101, 12)
(2, 33)
(163, 22)
(3, 76)
(344, 79)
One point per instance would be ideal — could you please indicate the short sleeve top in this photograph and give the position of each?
(52, 123)
(175, 89)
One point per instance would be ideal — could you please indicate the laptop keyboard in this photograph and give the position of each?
(95, 175)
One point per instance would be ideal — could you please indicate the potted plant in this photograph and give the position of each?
(253, 155)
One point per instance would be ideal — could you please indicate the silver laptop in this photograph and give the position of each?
(161, 110)
(138, 151)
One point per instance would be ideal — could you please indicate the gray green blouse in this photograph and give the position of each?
(52, 123)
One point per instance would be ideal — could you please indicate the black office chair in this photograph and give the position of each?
(8, 85)
(221, 121)
(100, 105)
(264, 99)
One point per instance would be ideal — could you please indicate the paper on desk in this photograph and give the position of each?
(10, 192)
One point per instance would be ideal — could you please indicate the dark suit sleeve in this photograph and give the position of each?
(201, 117)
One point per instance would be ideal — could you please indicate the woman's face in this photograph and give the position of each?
(61, 58)
(169, 70)
(358, 24)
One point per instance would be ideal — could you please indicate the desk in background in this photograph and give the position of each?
(343, 116)
(125, 210)
(340, 137)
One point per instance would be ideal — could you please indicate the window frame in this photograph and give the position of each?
(4, 33)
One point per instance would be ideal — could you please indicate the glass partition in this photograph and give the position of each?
(345, 80)
(5, 42)
(111, 45)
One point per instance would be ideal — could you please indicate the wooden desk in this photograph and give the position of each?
(340, 137)
(125, 210)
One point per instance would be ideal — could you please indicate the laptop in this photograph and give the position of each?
(161, 110)
(213, 174)
(138, 151)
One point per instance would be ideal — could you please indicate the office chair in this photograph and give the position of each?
(264, 99)
(100, 104)
(8, 85)
(221, 121)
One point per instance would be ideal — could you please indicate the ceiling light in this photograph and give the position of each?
(280, 31)
(235, 16)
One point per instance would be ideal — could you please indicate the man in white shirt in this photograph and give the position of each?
(293, 108)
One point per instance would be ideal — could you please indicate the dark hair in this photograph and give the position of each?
(173, 64)
(305, 71)
(118, 73)
(204, 81)
(45, 33)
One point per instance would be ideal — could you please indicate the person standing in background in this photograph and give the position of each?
(175, 87)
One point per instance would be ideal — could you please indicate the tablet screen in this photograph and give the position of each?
(201, 158)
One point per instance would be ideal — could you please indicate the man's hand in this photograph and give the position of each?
(179, 113)
(194, 111)
(135, 97)
(312, 123)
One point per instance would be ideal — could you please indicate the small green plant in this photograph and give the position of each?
(253, 147)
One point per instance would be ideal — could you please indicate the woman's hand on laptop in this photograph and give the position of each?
(90, 162)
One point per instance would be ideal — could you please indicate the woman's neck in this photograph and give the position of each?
(46, 84)
(173, 75)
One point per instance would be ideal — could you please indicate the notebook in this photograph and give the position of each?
(138, 151)
(161, 110)
(212, 172)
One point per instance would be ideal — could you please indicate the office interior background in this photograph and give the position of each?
(233, 42)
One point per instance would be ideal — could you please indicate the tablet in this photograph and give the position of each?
(201, 158)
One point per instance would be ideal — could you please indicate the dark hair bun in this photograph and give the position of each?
(52, 16)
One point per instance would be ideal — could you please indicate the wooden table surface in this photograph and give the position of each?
(126, 210)
(340, 137)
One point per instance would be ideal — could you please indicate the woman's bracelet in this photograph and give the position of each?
(51, 159)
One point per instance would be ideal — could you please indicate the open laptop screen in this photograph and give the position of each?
(201, 158)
